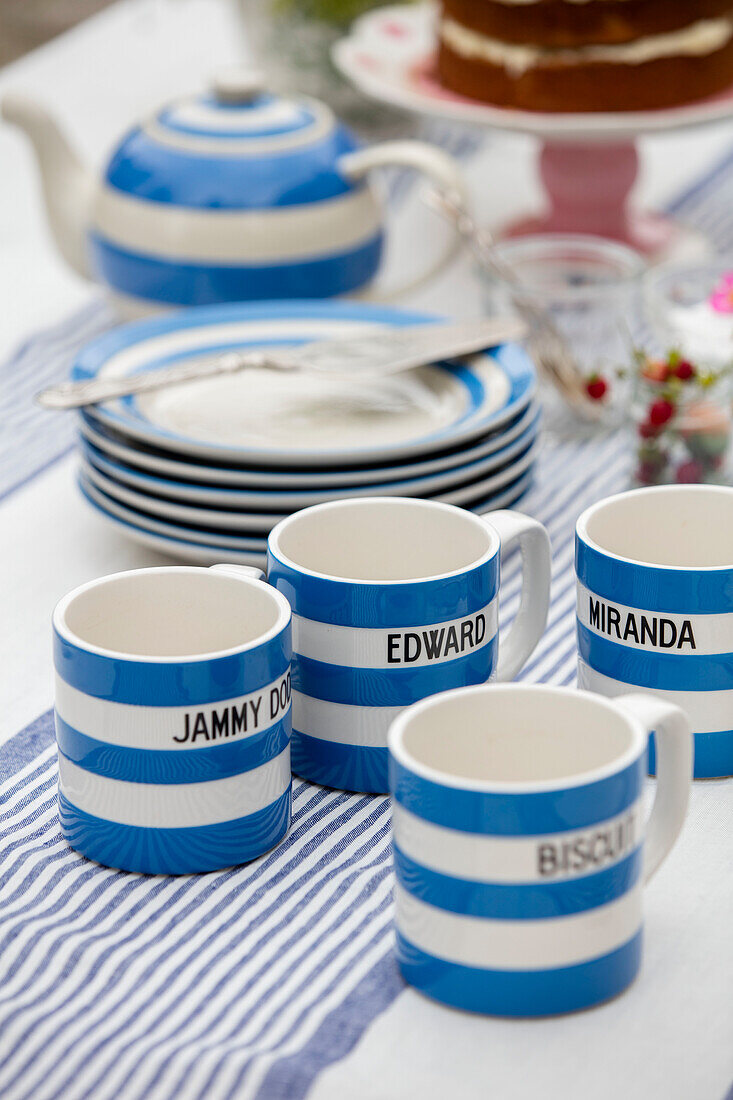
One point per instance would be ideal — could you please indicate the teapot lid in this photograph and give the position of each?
(234, 146)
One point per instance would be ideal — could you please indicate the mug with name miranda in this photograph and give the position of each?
(653, 630)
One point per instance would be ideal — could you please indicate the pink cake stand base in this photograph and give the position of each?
(588, 187)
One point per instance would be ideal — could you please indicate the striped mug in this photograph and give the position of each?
(173, 718)
(655, 607)
(394, 599)
(519, 844)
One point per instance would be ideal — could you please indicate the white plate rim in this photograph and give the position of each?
(248, 478)
(161, 527)
(209, 553)
(244, 524)
(263, 500)
(180, 514)
(172, 547)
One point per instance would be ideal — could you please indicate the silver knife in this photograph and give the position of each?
(372, 353)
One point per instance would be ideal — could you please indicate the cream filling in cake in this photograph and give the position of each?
(701, 38)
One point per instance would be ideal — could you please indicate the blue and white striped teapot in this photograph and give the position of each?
(235, 194)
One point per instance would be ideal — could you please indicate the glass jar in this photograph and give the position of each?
(591, 288)
(682, 427)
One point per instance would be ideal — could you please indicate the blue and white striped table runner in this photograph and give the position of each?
(247, 982)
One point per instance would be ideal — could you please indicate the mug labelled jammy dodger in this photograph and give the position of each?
(173, 718)
(394, 599)
(655, 607)
(520, 842)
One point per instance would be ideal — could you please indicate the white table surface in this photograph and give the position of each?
(671, 1036)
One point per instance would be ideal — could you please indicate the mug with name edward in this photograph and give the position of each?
(394, 599)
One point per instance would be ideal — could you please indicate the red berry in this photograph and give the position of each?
(689, 472)
(647, 430)
(684, 370)
(660, 412)
(596, 387)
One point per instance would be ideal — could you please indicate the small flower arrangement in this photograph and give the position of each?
(681, 415)
(722, 297)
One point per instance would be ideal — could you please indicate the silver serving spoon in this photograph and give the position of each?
(372, 354)
(545, 343)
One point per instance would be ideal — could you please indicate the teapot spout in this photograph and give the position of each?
(67, 184)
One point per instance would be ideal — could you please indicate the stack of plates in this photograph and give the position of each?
(202, 471)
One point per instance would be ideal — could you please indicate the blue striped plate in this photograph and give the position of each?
(214, 496)
(207, 546)
(300, 420)
(252, 522)
(158, 464)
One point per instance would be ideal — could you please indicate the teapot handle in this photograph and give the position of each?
(432, 162)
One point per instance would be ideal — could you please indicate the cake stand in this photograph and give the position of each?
(588, 162)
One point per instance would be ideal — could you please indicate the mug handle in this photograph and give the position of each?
(671, 728)
(240, 571)
(529, 624)
(433, 163)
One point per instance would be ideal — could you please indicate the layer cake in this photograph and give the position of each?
(586, 55)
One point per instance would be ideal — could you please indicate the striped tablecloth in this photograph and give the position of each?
(251, 981)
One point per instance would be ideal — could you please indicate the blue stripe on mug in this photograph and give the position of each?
(332, 764)
(168, 766)
(174, 683)
(517, 901)
(492, 813)
(175, 851)
(713, 745)
(510, 992)
(683, 591)
(398, 604)
(385, 687)
(671, 671)
(204, 283)
(713, 754)
(160, 173)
